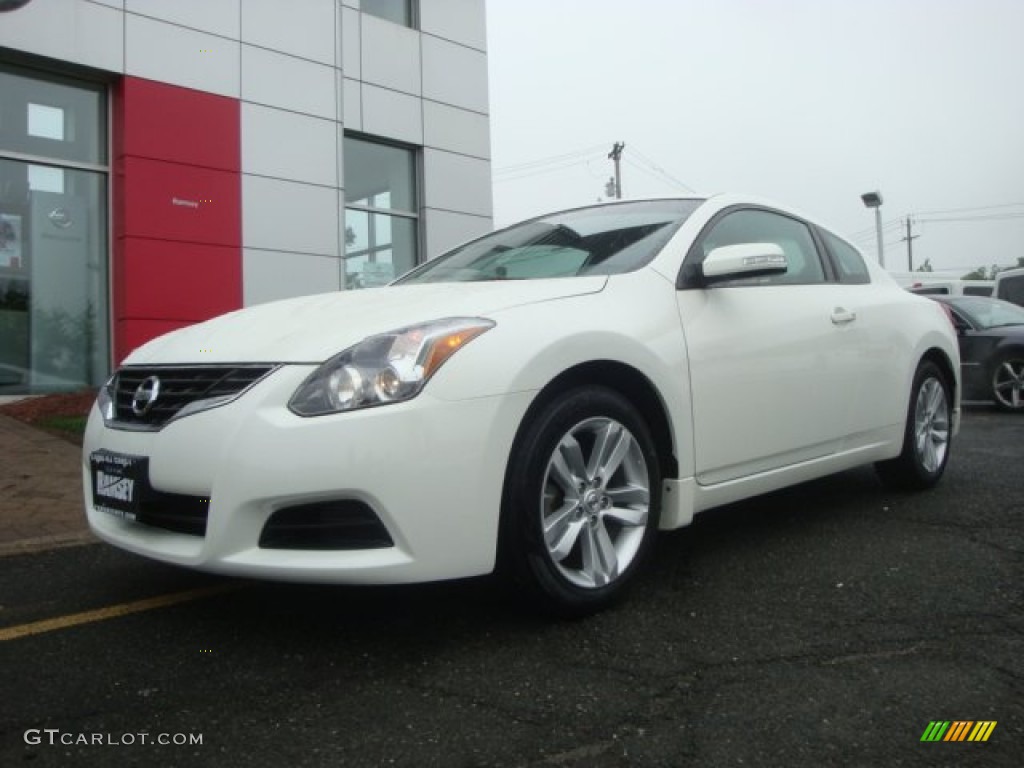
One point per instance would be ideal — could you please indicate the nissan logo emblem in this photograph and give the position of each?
(145, 395)
(60, 217)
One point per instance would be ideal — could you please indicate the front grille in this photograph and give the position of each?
(174, 512)
(179, 387)
(343, 524)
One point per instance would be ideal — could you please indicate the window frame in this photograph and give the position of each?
(689, 277)
(415, 215)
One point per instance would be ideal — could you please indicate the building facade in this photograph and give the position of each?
(166, 161)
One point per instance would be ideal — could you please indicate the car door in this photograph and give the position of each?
(771, 375)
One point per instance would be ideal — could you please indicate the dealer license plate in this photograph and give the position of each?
(119, 481)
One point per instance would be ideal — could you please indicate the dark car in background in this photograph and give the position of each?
(991, 336)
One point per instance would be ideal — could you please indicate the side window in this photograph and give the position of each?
(757, 226)
(849, 262)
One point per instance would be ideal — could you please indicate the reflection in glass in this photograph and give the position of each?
(380, 212)
(44, 178)
(53, 279)
(383, 248)
(398, 11)
(45, 122)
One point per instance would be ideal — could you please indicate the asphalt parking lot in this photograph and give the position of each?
(824, 625)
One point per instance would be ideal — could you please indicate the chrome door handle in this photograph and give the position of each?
(842, 316)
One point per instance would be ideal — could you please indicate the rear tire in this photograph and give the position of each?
(927, 436)
(581, 502)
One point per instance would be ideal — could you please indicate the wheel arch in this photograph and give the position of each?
(941, 359)
(628, 382)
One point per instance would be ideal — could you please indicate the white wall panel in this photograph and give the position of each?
(277, 80)
(392, 115)
(390, 55)
(350, 47)
(167, 53)
(461, 21)
(286, 216)
(288, 145)
(219, 17)
(303, 28)
(445, 230)
(456, 130)
(456, 182)
(454, 74)
(352, 114)
(82, 33)
(274, 275)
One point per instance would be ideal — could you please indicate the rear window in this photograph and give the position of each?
(849, 262)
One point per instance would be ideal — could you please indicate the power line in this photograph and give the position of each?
(516, 167)
(542, 170)
(661, 171)
(966, 210)
(981, 217)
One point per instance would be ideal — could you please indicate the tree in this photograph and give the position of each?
(978, 274)
(926, 266)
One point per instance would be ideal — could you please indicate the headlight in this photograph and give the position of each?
(106, 400)
(383, 369)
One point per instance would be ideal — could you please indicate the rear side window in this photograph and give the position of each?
(849, 262)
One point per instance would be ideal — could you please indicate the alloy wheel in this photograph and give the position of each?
(931, 424)
(595, 502)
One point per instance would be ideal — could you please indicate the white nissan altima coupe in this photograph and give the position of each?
(539, 401)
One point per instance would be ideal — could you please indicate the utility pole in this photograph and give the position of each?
(615, 156)
(910, 238)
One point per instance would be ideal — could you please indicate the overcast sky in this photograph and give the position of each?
(808, 102)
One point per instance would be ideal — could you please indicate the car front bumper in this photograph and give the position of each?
(431, 470)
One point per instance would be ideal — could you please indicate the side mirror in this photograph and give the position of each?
(744, 260)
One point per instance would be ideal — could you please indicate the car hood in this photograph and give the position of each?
(310, 329)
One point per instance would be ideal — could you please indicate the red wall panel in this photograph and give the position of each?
(177, 209)
(171, 201)
(180, 125)
(150, 266)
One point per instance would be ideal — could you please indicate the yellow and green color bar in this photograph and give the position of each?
(958, 730)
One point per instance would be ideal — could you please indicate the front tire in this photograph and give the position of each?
(927, 436)
(1008, 381)
(581, 501)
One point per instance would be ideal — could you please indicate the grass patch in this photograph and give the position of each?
(73, 425)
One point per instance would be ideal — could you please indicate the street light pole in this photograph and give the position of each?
(874, 200)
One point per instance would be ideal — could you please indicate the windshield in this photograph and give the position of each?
(990, 313)
(602, 240)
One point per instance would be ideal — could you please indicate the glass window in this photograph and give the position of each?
(381, 222)
(1012, 289)
(848, 260)
(53, 280)
(54, 330)
(757, 226)
(398, 11)
(51, 116)
(601, 240)
(990, 313)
